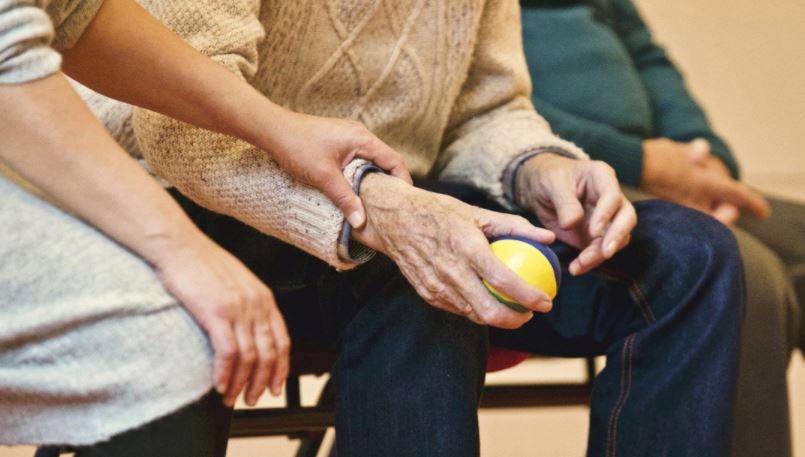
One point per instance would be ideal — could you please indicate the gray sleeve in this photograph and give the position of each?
(26, 33)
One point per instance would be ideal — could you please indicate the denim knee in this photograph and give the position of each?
(688, 252)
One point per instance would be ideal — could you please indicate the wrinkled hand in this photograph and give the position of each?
(687, 174)
(315, 150)
(440, 245)
(238, 312)
(581, 201)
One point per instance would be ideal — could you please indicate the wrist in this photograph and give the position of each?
(384, 197)
(653, 166)
(530, 168)
(265, 124)
(164, 243)
(371, 186)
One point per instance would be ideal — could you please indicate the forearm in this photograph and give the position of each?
(49, 137)
(128, 55)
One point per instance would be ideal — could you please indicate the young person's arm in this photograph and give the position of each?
(128, 55)
(49, 137)
(265, 184)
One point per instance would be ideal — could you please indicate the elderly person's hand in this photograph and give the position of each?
(582, 202)
(687, 174)
(440, 245)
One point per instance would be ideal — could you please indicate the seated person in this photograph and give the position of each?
(448, 88)
(132, 337)
(601, 82)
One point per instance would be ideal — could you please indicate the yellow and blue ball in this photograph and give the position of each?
(534, 262)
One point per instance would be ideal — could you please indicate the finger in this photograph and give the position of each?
(266, 356)
(743, 197)
(698, 151)
(569, 210)
(726, 213)
(338, 190)
(620, 228)
(487, 266)
(589, 258)
(225, 348)
(282, 343)
(605, 209)
(495, 224)
(386, 158)
(441, 292)
(245, 363)
(487, 310)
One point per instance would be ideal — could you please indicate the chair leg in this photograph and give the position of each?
(310, 443)
(591, 371)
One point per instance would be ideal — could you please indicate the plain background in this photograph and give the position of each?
(745, 61)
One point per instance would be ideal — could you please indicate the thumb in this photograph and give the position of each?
(726, 213)
(698, 151)
(338, 190)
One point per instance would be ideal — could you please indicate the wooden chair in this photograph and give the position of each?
(310, 423)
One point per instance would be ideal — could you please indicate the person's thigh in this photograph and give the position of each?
(408, 376)
(666, 311)
(200, 429)
(761, 410)
(784, 233)
(91, 344)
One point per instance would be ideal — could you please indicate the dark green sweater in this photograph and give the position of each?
(601, 82)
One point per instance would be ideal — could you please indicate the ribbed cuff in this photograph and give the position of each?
(350, 250)
(511, 171)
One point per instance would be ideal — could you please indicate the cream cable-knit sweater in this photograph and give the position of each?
(445, 83)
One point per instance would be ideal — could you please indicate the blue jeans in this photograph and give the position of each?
(666, 311)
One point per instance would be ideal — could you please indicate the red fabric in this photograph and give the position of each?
(501, 359)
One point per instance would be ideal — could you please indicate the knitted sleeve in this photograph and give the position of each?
(221, 173)
(676, 114)
(493, 121)
(26, 32)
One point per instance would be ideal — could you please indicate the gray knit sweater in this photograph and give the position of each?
(91, 344)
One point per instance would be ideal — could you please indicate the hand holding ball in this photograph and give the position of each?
(535, 263)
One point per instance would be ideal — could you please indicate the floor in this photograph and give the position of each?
(546, 432)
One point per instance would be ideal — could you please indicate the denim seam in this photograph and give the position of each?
(634, 291)
(626, 386)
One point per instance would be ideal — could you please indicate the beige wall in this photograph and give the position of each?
(745, 61)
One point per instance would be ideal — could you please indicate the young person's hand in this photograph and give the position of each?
(581, 201)
(687, 174)
(77, 164)
(315, 149)
(246, 329)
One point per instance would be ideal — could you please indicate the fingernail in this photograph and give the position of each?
(610, 249)
(355, 219)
